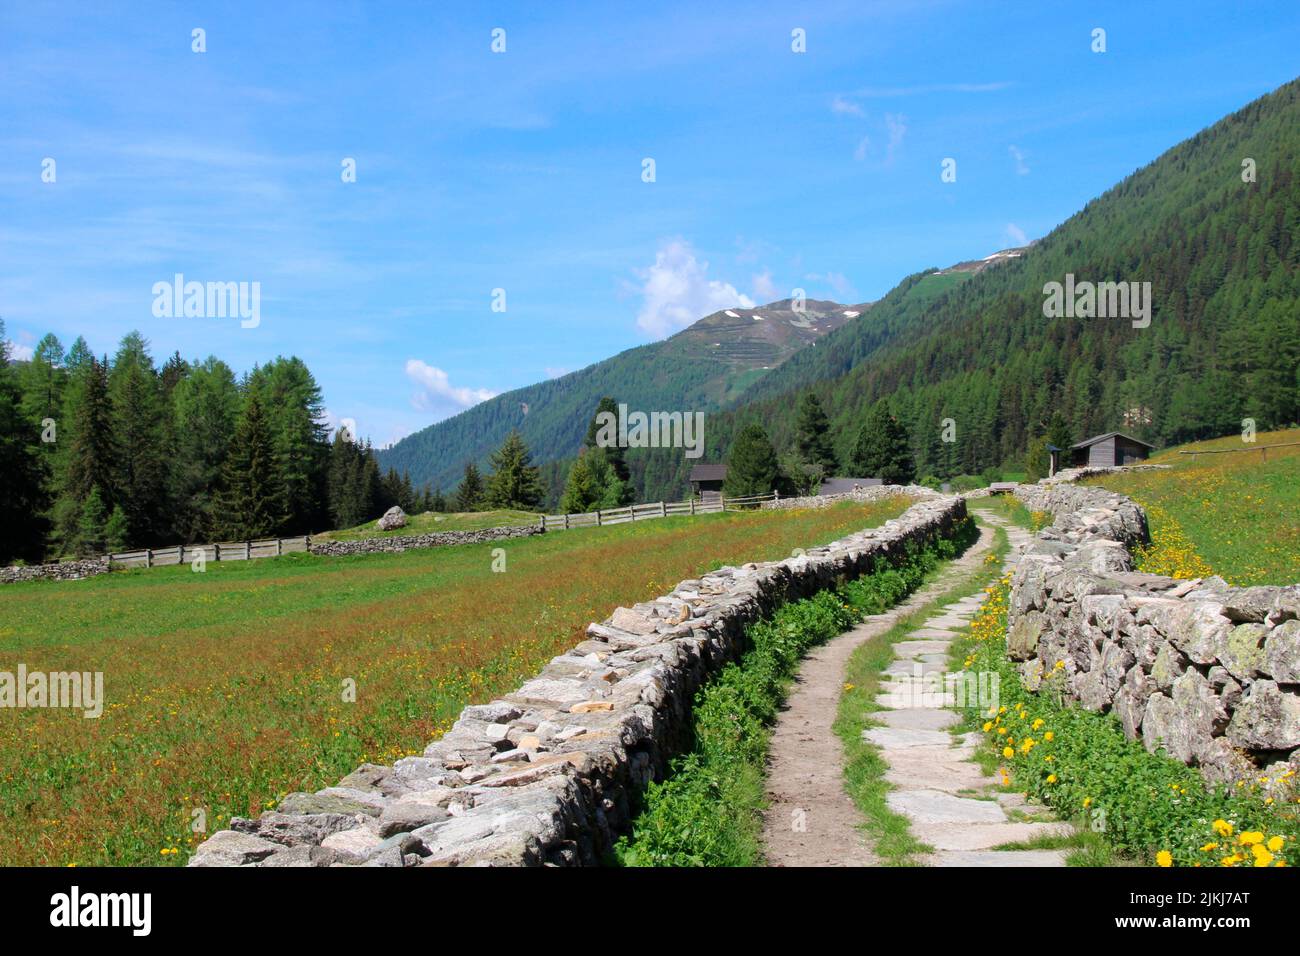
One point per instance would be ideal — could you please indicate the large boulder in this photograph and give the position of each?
(393, 519)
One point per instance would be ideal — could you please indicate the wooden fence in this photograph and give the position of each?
(659, 509)
(274, 547)
(219, 551)
(1262, 449)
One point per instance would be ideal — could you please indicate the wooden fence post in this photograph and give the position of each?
(248, 551)
(692, 505)
(566, 521)
(663, 510)
(597, 517)
(148, 557)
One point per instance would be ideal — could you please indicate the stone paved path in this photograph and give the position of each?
(951, 804)
(810, 820)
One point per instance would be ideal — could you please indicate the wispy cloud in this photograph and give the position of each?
(1016, 234)
(837, 281)
(846, 107)
(897, 127)
(765, 289)
(891, 92)
(677, 291)
(1019, 157)
(860, 151)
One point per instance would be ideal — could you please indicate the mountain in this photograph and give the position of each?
(701, 368)
(1213, 225)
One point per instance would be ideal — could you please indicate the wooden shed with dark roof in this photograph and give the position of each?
(1109, 450)
(706, 479)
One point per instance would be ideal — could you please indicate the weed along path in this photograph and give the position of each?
(949, 801)
(810, 819)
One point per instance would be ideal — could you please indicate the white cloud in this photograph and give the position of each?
(897, 126)
(437, 394)
(678, 292)
(1019, 157)
(864, 145)
(846, 107)
(20, 353)
(556, 371)
(765, 289)
(1016, 234)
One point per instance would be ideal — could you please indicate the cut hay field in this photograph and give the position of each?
(224, 689)
(1234, 514)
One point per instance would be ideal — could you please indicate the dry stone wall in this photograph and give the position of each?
(547, 774)
(1208, 672)
(434, 539)
(64, 571)
(869, 493)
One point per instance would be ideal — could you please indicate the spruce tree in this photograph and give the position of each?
(812, 434)
(469, 496)
(752, 467)
(882, 450)
(90, 538)
(515, 481)
(23, 498)
(249, 498)
(140, 476)
(580, 490)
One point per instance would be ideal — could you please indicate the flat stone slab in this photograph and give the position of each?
(893, 737)
(992, 858)
(906, 700)
(936, 809)
(915, 667)
(948, 622)
(918, 718)
(921, 768)
(981, 836)
(926, 633)
(915, 648)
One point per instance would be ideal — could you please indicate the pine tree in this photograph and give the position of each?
(91, 519)
(438, 502)
(469, 496)
(205, 411)
(580, 490)
(140, 478)
(91, 455)
(115, 530)
(23, 499)
(752, 465)
(882, 450)
(249, 498)
(813, 439)
(515, 481)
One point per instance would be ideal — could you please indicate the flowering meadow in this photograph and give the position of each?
(227, 689)
(1235, 513)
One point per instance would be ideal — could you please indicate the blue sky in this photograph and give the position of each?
(523, 170)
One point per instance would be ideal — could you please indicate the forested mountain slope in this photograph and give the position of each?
(701, 368)
(1223, 258)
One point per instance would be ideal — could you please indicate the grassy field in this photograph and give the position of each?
(432, 521)
(1233, 514)
(225, 689)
